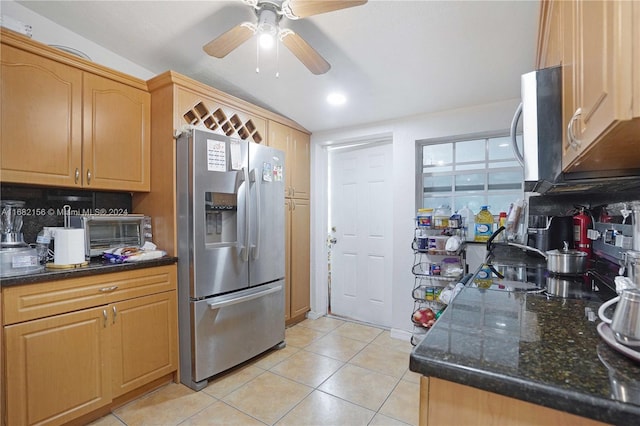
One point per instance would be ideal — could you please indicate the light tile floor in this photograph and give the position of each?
(331, 372)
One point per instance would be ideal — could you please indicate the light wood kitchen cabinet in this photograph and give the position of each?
(296, 145)
(67, 122)
(73, 346)
(447, 403)
(550, 35)
(116, 141)
(58, 368)
(601, 76)
(41, 120)
(143, 340)
(297, 254)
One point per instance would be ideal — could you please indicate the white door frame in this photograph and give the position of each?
(320, 220)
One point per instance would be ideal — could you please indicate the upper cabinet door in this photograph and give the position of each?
(40, 140)
(280, 138)
(601, 132)
(116, 143)
(301, 176)
(550, 34)
(295, 144)
(604, 54)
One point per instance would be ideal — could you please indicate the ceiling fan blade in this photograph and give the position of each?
(225, 43)
(304, 52)
(304, 8)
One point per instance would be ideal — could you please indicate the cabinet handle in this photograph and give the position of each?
(115, 313)
(104, 315)
(77, 175)
(572, 140)
(88, 177)
(293, 204)
(109, 289)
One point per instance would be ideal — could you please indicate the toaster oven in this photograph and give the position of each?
(104, 232)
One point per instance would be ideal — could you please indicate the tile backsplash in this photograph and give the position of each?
(569, 204)
(44, 206)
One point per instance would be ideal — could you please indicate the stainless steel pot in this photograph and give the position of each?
(631, 260)
(566, 261)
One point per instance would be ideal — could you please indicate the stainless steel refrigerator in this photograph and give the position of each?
(230, 198)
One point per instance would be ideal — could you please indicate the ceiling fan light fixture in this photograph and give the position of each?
(267, 27)
(267, 40)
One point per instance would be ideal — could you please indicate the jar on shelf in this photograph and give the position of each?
(425, 218)
(422, 240)
(455, 221)
(451, 267)
(434, 269)
(441, 217)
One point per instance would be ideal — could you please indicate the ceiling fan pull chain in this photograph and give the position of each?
(277, 58)
(257, 56)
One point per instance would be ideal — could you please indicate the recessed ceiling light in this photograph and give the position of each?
(336, 98)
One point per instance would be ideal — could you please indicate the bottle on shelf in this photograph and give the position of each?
(514, 228)
(467, 223)
(502, 221)
(42, 245)
(483, 225)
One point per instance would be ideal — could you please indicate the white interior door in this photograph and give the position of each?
(360, 216)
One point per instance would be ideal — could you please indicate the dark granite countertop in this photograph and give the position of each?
(533, 347)
(97, 266)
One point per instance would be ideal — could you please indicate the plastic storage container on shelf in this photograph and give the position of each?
(451, 267)
(424, 218)
(441, 217)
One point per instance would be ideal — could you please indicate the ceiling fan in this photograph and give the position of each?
(269, 13)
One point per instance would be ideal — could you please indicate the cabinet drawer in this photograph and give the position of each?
(31, 301)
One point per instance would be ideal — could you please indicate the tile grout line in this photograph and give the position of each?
(344, 364)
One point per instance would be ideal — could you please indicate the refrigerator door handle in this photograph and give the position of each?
(240, 178)
(224, 303)
(255, 249)
(244, 251)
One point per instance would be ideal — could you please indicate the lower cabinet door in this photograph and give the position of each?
(144, 340)
(57, 368)
(300, 255)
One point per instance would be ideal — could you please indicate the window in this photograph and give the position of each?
(468, 171)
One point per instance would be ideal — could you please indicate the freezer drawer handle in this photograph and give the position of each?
(225, 303)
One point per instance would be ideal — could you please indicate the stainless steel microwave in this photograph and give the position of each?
(103, 232)
(542, 131)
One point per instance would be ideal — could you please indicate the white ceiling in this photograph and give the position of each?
(391, 58)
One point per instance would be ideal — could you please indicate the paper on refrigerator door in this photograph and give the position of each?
(236, 154)
(216, 156)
